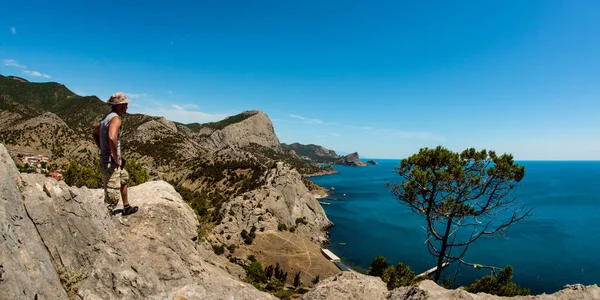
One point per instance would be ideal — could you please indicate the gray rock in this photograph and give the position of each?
(351, 159)
(283, 199)
(26, 268)
(349, 286)
(150, 254)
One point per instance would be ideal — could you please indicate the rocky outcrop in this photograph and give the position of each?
(372, 162)
(349, 286)
(161, 125)
(312, 152)
(153, 254)
(351, 159)
(357, 286)
(26, 269)
(282, 199)
(256, 128)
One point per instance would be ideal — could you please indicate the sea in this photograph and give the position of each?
(558, 244)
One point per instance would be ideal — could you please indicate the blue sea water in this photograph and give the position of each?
(559, 244)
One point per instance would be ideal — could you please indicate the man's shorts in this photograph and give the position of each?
(113, 179)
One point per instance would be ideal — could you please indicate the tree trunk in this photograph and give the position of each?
(438, 271)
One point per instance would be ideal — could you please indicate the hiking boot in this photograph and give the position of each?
(128, 210)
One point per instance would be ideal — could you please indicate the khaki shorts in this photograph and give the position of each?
(113, 179)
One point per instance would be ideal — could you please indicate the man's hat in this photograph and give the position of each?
(118, 98)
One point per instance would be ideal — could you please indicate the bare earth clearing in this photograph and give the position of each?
(293, 253)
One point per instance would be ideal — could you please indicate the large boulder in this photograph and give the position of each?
(151, 254)
(50, 228)
(349, 286)
(26, 269)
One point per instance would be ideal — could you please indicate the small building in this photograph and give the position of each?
(55, 175)
(332, 257)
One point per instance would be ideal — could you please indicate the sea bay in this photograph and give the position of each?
(557, 245)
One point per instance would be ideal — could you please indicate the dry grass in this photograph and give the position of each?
(293, 253)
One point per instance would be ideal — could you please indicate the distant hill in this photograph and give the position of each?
(312, 152)
(48, 116)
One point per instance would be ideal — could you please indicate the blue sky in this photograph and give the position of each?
(383, 78)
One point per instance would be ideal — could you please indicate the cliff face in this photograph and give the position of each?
(351, 159)
(26, 268)
(256, 128)
(313, 152)
(50, 228)
(282, 199)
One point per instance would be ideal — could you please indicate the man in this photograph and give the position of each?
(108, 138)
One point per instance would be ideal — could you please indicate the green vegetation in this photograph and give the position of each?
(91, 177)
(400, 275)
(248, 237)
(272, 279)
(238, 176)
(297, 280)
(267, 155)
(31, 99)
(79, 175)
(281, 227)
(218, 249)
(71, 280)
(317, 279)
(393, 276)
(301, 221)
(221, 124)
(163, 151)
(26, 168)
(501, 285)
(378, 266)
(255, 273)
(310, 151)
(137, 173)
(463, 196)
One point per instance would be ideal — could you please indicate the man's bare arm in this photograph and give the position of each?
(113, 136)
(96, 135)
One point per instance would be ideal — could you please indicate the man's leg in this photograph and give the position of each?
(127, 209)
(110, 199)
(124, 194)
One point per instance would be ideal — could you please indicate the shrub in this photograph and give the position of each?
(281, 227)
(231, 248)
(297, 280)
(248, 238)
(255, 273)
(71, 280)
(137, 173)
(79, 175)
(218, 249)
(501, 285)
(301, 221)
(377, 267)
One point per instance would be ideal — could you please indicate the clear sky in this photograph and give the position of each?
(383, 78)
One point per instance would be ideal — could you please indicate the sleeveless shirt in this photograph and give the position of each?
(105, 156)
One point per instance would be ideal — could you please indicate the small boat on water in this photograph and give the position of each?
(343, 244)
(324, 203)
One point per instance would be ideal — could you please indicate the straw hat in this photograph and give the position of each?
(118, 98)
